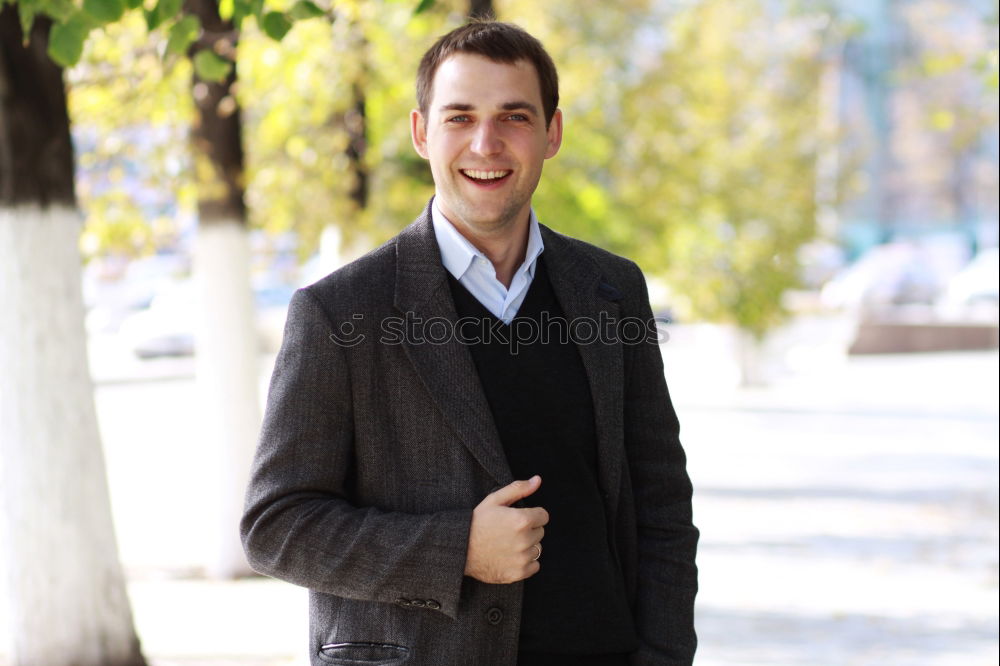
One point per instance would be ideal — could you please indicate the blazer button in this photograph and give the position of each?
(433, 605)
(494, 616)
(418, 603)
(405, 603)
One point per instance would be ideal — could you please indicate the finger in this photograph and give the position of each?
(537, 516)
(514, 491)
(531, 568)
(526, 541)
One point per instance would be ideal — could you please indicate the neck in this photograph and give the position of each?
(505, 248)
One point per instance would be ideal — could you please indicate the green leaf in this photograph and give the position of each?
(26, 11)
(133, 4)
(169, 8)
(66, 40)
(210, 66)
(60, 10)
(275, 25)
(165, 10)
(105, 11)
(182, 34)
(226, 9)
(423, 6)
(241, 9)
(304, 9)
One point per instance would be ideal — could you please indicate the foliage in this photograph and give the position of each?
(735, 155)
(294, 94)
(74, 22)
(131, 112)
(130, 95)
(692, 129)
(693, 152)
(135, 107)
(943, 67)
(298, 98)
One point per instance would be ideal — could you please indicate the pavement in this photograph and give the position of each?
(848, 510)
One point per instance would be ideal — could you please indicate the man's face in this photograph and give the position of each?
(486, 140)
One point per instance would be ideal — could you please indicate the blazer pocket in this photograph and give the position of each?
(346, 654)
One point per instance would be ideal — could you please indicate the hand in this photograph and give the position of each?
(502, 539)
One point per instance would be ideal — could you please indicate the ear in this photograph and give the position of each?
(555, 132)
(418, 133)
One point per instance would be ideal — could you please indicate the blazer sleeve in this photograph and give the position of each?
(299, 522)
(667, 539)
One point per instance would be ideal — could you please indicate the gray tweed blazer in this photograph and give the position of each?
(377, 443)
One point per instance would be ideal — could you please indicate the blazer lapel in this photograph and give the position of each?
(583, 295)
(446, 369)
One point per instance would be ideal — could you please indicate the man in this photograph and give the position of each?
(467, 456)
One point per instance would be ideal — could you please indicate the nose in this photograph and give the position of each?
(486, 140)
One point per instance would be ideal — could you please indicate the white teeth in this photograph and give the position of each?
(484, 175)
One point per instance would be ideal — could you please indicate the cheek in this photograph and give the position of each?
(531, 148)
(443, 149)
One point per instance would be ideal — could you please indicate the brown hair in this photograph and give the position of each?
(500, 42)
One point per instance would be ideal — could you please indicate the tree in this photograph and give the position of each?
(736, 147)
(66, 584)
(695, 151)
(227, 346)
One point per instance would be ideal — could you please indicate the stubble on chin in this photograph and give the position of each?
(486, 223)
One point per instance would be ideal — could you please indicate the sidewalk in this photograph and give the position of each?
(848, 516)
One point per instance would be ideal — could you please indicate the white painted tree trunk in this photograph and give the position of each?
(66, 590)
(752, 359)
(228, 350)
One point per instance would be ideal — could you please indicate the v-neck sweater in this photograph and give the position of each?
(537, 388)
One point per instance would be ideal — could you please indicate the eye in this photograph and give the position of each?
(458, 119)
(519, 117)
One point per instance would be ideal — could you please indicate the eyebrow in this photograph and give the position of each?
(506, 106)
(518, 106)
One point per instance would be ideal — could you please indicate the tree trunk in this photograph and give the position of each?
(356, 125)
(339, 239)
(227, 343)
(67, 594)
(750, 355)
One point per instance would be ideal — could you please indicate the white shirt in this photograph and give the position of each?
(475, 271)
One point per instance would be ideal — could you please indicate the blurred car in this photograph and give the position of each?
(897, 273)
(115, 288)
(977, 286)
(167, 327)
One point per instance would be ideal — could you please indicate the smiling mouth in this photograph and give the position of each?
(486, 177)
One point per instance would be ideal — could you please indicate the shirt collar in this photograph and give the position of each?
(457, 253)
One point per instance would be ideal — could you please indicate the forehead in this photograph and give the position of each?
(467, 78)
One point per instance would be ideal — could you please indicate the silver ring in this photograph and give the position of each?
(538, 546)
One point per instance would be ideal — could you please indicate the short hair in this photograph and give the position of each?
(497, 41)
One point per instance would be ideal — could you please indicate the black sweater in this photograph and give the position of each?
(539, 394)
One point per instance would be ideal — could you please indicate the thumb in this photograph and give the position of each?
(515, 491)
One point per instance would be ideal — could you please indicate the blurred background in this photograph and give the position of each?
(811, 188)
